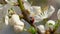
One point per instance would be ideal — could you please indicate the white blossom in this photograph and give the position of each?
(47, 13)
(39, 15)
(41, 28)
(17, 23)
(35, 10)
(50, 24)
(50, 11)
(14, 20)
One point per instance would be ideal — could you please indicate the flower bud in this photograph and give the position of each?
(41, 29)
(50, 24)
(17, 23)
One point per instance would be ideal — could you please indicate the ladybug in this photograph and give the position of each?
(32, 20)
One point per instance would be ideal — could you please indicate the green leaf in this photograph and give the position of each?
(57, 25)
(32, 30)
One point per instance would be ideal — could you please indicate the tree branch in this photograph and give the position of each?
(26, 14)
